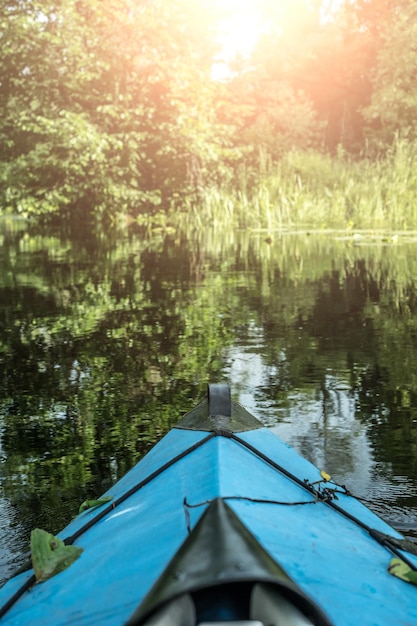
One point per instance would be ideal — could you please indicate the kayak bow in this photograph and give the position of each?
(221, 522)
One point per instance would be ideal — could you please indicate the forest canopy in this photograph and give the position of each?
(128, 107)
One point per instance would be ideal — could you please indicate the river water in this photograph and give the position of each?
(106, 340)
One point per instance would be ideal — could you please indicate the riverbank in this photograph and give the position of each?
(317, 191)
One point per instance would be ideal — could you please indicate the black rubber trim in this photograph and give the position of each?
(218, 412)
(219, 400)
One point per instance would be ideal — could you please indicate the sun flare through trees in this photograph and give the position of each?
(158, 102)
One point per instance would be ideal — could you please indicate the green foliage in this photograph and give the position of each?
(324, 56)
(110, 111)
(104, 106)
(393, 106)
(280, 120)
(57, 170)
(309, 189)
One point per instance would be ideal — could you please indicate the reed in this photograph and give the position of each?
(314, 190)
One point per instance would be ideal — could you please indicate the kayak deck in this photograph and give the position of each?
(322, 538)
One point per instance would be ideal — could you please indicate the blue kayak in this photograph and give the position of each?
(222, 522)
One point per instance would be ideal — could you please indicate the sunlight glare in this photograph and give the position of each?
(245, 21)
(238, 34)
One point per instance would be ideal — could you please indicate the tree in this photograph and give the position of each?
(108, 107)
(393, 107)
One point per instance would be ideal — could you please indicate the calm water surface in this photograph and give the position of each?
(106, 340)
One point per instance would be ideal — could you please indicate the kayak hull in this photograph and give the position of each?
(324, 546)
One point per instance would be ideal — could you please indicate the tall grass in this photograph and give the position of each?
(314, 190)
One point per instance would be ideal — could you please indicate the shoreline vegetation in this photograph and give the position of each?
(112, 115)
(310, 190)
(305, 190)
